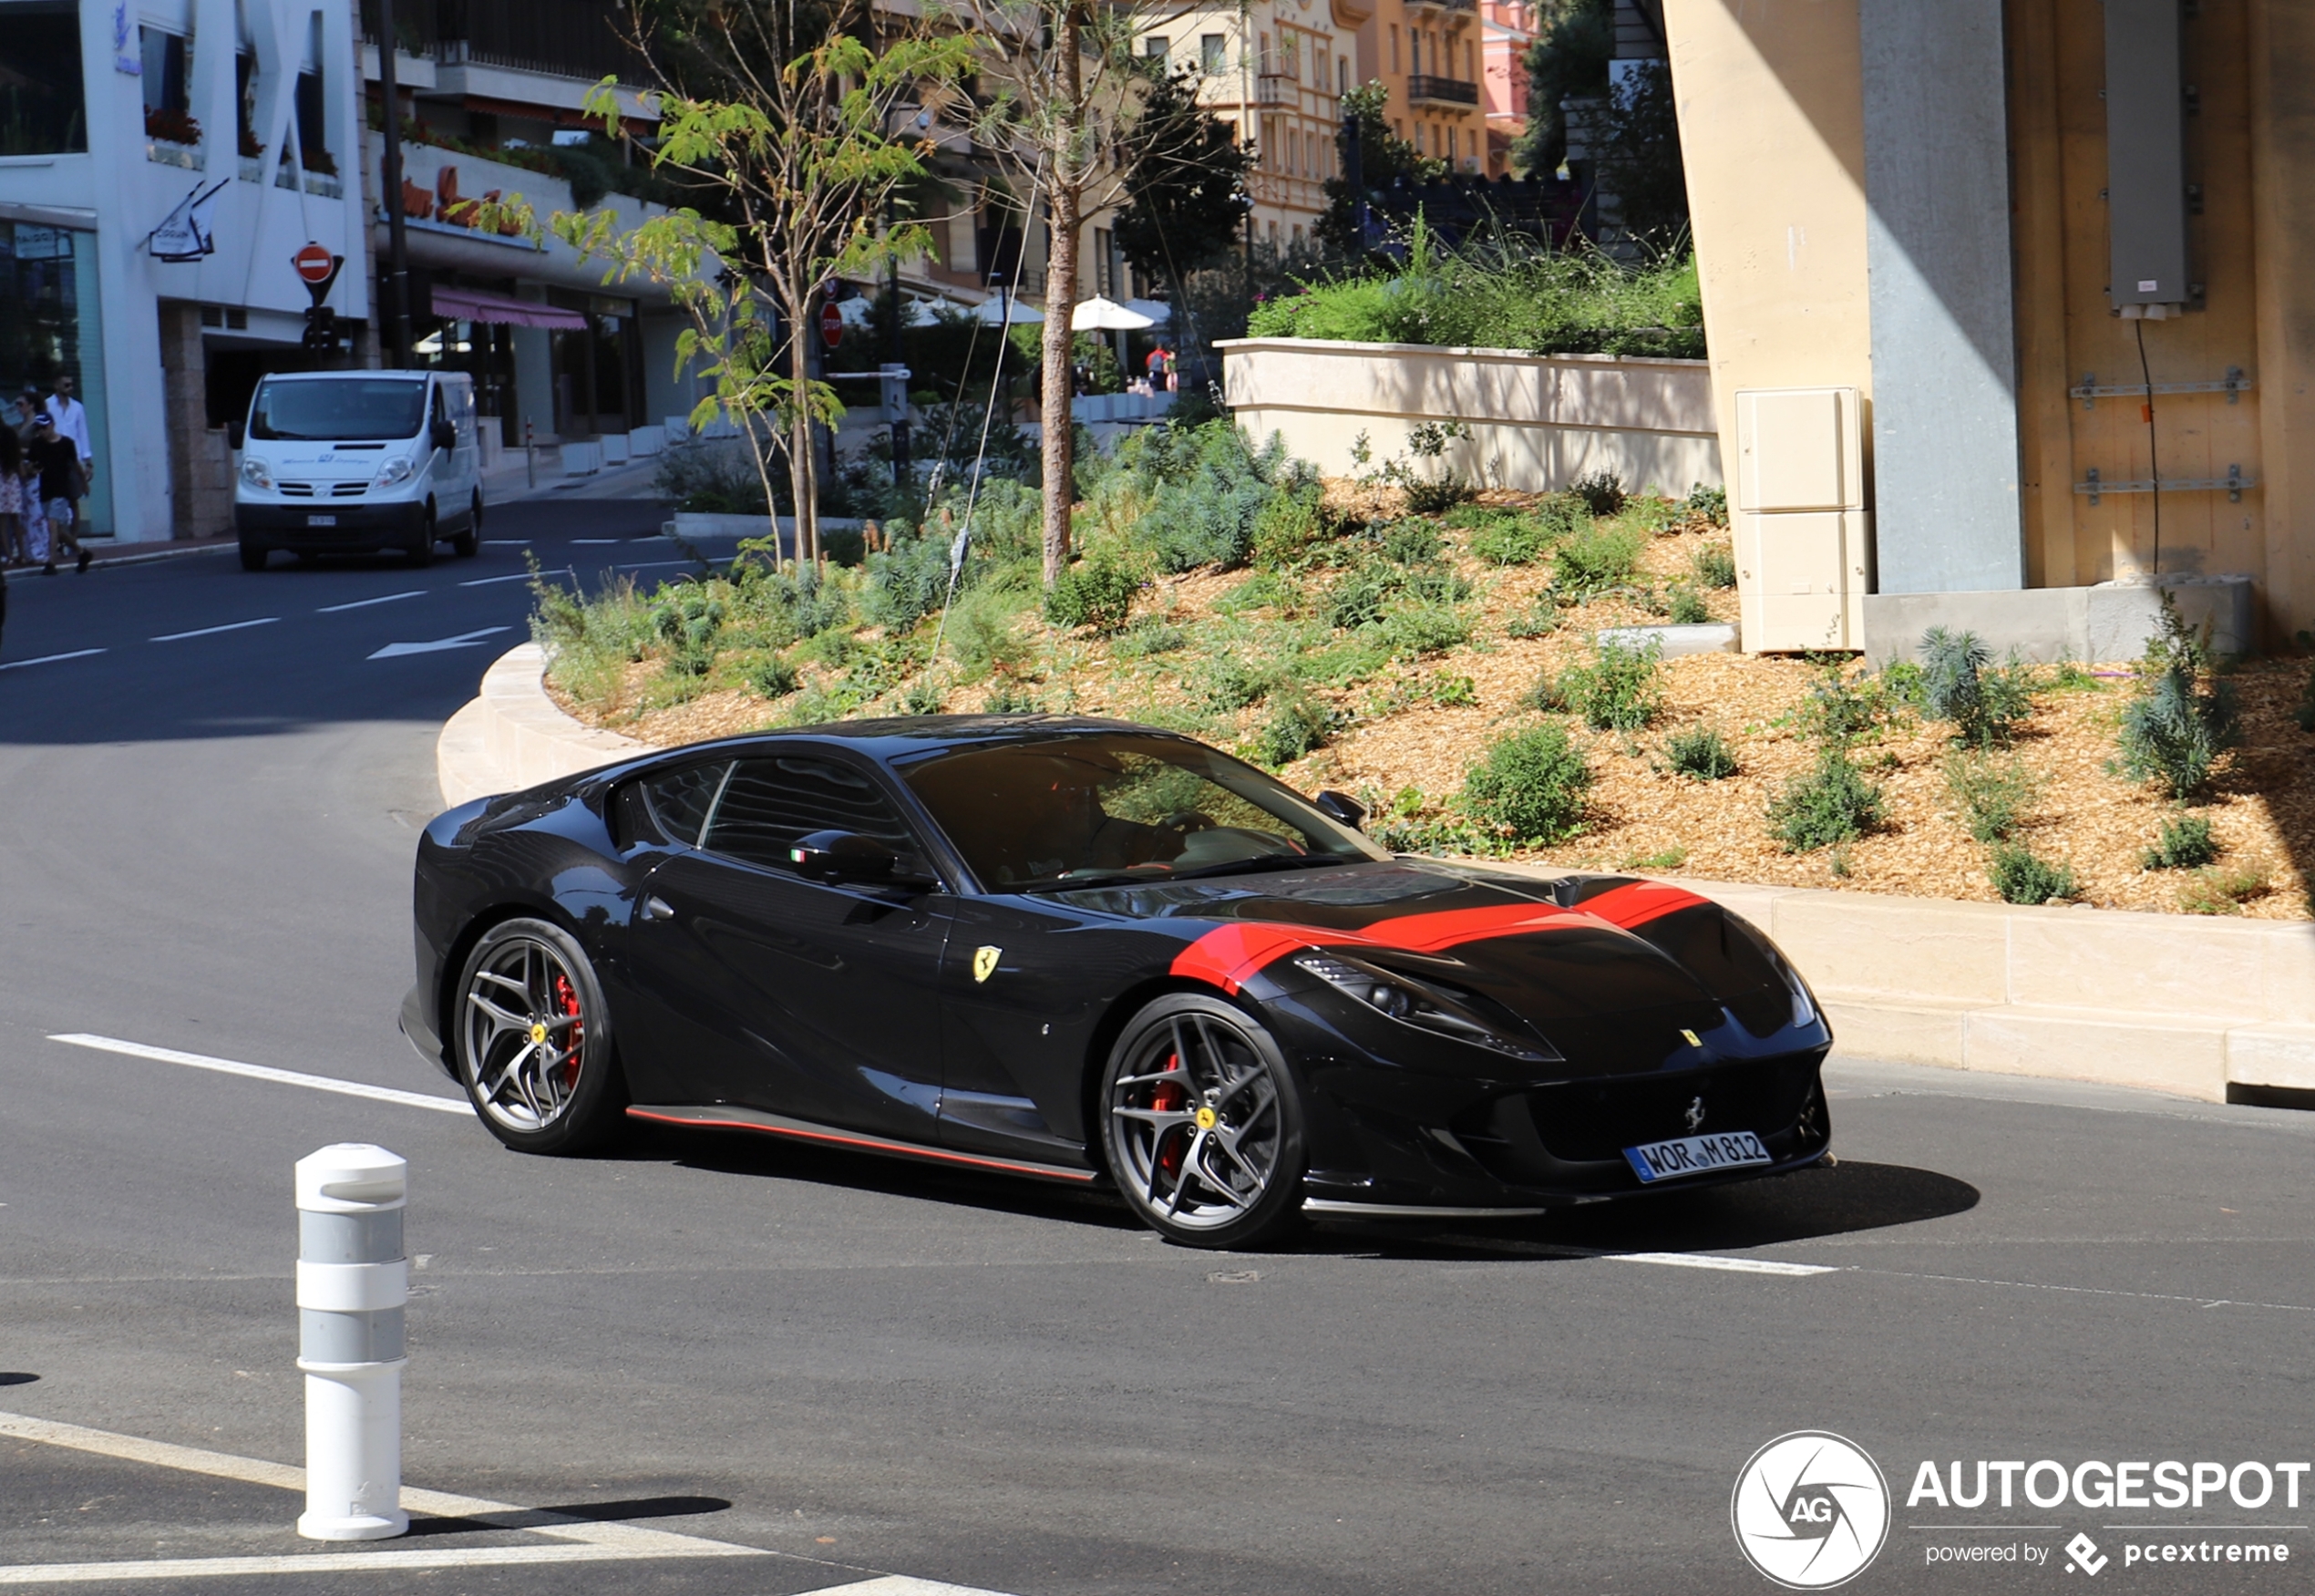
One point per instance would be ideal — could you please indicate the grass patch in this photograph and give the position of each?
(2220, 889)
(2022, 877)
(1832, 803)
(1700, 754)
(1992, 797)
(2184, 843)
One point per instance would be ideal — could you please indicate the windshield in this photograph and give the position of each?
(1083, 810)
(351, 411)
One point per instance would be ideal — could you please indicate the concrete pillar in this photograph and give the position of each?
(1937, 255)
(201, 490)
(2282, 120)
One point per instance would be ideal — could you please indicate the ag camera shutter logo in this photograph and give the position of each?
(1810, 1510)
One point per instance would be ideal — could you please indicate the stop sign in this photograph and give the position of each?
(831, 324)
(312, 264)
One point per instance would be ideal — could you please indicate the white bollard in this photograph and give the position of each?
(352, 1284)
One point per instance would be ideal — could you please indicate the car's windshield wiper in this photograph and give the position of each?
(1263, 861)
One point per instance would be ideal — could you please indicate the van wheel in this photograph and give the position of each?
(254, 555)
(422, 552)
(465, 545)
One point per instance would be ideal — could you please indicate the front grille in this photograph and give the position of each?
(297, 490)
(348, 489)
(1587, 1120)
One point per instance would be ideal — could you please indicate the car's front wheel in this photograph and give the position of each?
(533, 1040)
(1203, 1124)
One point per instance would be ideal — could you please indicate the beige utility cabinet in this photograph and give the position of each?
(1804, 536)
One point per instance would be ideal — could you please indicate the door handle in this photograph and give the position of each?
(657, 908)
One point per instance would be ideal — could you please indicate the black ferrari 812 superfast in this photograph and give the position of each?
(1085, 950)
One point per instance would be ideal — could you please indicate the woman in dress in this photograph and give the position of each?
(14, 549)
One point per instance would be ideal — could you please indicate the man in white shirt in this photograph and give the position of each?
(71, 417)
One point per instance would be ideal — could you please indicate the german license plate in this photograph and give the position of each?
(1694, 1154)
(321, 521)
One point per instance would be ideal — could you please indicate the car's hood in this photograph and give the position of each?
(1556, 951)
(328, 462)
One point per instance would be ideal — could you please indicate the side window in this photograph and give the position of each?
(769, 804)
(682, 799)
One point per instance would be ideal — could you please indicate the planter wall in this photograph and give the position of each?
(1538, 422)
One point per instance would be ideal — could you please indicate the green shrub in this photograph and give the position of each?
(1227, 681)
(1149, 636)
(1298, 723)
(1597, 557)
(773, 677)
(589, 641)
(687, 619)
(1709, 504)
(1210, 486)
(1714, 565)
(1602, 492)
(1511, 540)
(1992, 799)
(1287, 524)
(2175, 731)
(1540, 619)
(2184, 843)
(1839, 713)
(2220, 889)
(1359, 596)
(907, 582)
(1424, 626)
(1700, 754)
(1531, 787)
(1831, 803)
(1097, 590)
(1620, 690)
(921, 697)
(1688, 607)
(1012, 697)
(2022, 877)
(1960, 685)
(980, 634)
(1413, 543)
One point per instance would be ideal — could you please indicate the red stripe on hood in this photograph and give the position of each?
(1227, 955)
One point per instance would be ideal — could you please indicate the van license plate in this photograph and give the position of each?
(321, 521)
(1696, 1155)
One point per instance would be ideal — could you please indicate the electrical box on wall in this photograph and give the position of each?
(1804, 536)
(2145, 157)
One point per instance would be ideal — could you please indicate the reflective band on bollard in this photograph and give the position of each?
(352, 1282)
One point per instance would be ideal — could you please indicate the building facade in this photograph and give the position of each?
(1507, 27)
(1427, 52)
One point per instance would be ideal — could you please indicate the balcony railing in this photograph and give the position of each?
(1459, 8)
(1442, 91)
(1275, 89)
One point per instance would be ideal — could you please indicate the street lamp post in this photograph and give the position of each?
(397, 243)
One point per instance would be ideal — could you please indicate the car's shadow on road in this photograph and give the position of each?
(581, 1512)
(1809, 1203)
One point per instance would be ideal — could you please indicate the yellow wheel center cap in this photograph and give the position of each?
(1207, 1120)
(537, 1033)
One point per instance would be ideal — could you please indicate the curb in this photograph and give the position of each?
(2174, 1003)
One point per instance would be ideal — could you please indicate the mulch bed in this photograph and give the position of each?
(1402, 748)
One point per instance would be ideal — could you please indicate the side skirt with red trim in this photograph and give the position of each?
(724, 1117)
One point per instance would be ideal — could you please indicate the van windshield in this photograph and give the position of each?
(350, 411)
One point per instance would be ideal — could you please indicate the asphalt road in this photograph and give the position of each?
(859, 1367)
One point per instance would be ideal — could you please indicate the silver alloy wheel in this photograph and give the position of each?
(1196, 1120)
(525, 1035)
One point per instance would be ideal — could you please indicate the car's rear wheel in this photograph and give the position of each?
(533, 1040)
(1203, 1124)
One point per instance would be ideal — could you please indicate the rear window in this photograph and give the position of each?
(349, 411)
(680, 800)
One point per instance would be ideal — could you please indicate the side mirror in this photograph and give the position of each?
(443, 435)
(1342, 807)
(841, 857)
(233, 435)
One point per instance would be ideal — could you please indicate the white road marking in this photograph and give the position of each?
(588, 542)
(486, 580)
(213, 631)
(259, 1072)
(50, 659)
(1674, 1259)
(366, 603)
(582, 1540)
(394, 651)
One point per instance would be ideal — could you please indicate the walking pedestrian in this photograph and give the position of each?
(71, 417)
(14, 549)
(57, 461)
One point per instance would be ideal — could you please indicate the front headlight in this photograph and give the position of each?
(1421, 1006)
(394, 471)
(256, 473)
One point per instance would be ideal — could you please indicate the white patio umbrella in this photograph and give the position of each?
(1098, 315)
(1159, 312)
(1012, 311)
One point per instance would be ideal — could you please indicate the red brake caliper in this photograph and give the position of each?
(569, 998)
(1166, 1098)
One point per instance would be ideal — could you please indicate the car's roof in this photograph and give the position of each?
(900, 736)
(339, 376)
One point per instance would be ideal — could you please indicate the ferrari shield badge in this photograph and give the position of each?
(985, 962)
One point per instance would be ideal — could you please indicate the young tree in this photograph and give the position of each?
(791, 145)
(1568, 60)
(1383, 158)
(1064, 94)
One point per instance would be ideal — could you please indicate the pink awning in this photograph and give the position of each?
(467, 304)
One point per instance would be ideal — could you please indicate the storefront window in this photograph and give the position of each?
(49, 328)
(41, 109)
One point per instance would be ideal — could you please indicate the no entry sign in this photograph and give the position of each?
(831, 324)
(313, 263)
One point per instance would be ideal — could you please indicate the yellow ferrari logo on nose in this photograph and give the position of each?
(1693, 1040)
(985, 962)
(1207, 1120)
(537, 1033)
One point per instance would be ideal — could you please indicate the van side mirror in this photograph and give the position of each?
(443, 435)
(1342, 807)
(234, 435)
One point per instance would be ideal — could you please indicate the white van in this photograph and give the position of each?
(337, 462)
